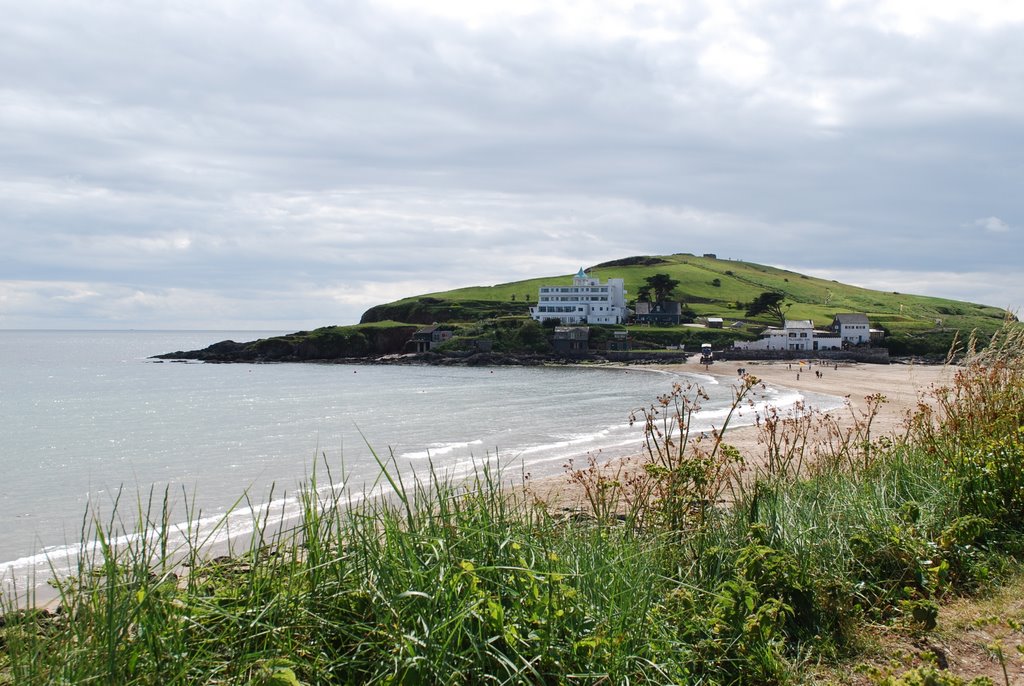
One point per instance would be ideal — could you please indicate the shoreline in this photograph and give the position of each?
(904, 386)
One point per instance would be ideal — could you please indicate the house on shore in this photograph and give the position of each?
(795, 334)
(853, 328)
(620, 342)
(573, 341)
(430, 337)
(660, 313)
(586, 301)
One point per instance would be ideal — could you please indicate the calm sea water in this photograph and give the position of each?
(85, 416)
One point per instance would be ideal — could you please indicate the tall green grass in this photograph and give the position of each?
(689, 570)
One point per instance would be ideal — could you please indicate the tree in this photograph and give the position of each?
(643, 294)
(661, 285)
(531, 337)
(769, 302)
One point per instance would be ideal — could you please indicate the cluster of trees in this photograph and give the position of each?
(658, 288)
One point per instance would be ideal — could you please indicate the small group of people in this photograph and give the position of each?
(741, 371)
(818, 373)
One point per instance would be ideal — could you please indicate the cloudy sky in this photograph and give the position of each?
(283, 165)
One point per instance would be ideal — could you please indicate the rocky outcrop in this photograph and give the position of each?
(329, 343)
(385, 346)
(468, 359)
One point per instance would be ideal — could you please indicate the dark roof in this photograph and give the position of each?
(431, 330)
(572, 332)
(663, 307)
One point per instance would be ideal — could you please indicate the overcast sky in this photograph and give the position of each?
(285, 165)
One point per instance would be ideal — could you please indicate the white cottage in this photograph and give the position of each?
(795, 334)
(586, 301)
(852, 328)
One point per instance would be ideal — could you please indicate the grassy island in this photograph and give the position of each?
(496, 319)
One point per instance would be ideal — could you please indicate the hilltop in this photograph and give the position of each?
(708, 287)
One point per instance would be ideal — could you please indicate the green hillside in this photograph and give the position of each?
(722, 288)
(496, 318)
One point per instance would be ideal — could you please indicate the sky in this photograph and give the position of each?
(215, 164)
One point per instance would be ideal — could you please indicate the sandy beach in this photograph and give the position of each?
(904, 386)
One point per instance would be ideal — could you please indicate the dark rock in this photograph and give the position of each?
(332, 343)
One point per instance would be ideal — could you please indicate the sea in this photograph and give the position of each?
(91, 425)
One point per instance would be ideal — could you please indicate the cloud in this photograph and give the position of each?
(991, 224)
(378, 149)
(94, 304)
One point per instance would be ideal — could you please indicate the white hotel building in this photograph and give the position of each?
(586, 301)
